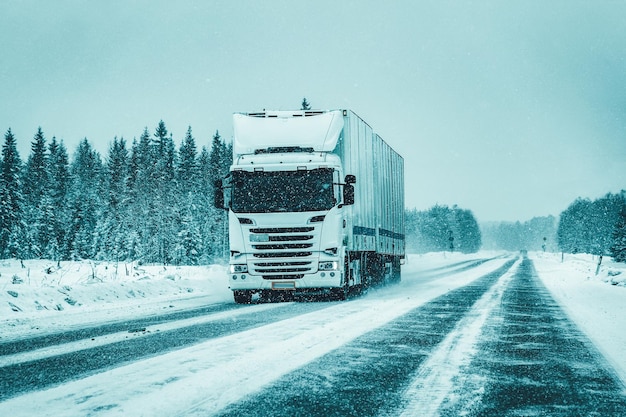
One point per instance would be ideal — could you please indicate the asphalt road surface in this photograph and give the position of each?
(497, 346)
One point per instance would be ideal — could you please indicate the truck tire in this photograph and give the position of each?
(339, 294)
(396, 271)
(242, 297)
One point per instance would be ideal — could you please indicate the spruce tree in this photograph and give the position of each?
(85, 202)
(167, 218)
(34, 185)
(114, 224)
(10, 197)
(142, 188)
(187, 173)
(60, 182)
(208, 213)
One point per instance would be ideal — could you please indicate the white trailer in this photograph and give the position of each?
(315, 204)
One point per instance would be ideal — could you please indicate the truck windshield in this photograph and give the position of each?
(282, 191)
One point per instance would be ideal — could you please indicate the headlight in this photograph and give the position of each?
(238, 268)
(328, 266)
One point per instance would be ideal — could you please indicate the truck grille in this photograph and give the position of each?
(285, 253)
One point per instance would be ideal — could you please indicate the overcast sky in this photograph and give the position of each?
(510, 109)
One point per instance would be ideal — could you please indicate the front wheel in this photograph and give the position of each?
(242, 297)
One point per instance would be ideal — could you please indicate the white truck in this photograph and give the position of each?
(315, 204)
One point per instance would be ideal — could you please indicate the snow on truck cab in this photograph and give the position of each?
(315, 204)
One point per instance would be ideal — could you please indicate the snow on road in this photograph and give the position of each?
(435, 379)
(596, 303)
(208, 376)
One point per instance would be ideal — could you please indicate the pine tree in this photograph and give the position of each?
(142, 188)
(114, 225)
(167, 214)
(165, 153)
(216, 157)
(85, 202)
(188, 246)
(10, 197)
(58, 191)
(34, 185)
(187, 173)
(207, 212)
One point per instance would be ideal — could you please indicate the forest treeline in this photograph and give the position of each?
(536, 234)
(595, 227)
(152, 202)
(149, 201)
(440, 229)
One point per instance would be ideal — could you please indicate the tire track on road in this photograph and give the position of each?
(42, 373)
(534, 361)
(370, 372)
(38, 342)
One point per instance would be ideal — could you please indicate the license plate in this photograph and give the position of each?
(285, 285)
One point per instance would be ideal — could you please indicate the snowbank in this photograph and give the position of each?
(40, 297)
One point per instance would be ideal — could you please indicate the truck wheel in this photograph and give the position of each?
(396, 271)
(340, 294)
(242, 297)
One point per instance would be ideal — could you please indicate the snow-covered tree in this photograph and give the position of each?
(469, 237)
(587, 226)
(85, 201)
(34, 183)
(152, 203)
(618, 247)
(442, 228)
(187, 172)
(115, 224)
(10, 196)
(166, 211)
(59, 186)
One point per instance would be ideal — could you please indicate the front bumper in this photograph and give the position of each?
(320, 279)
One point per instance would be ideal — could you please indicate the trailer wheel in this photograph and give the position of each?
(242, 297)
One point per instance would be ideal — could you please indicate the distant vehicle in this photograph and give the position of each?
(315, 204)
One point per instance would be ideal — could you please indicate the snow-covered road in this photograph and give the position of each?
(458, 337)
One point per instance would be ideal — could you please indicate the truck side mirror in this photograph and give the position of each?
(348, 194)
(218, 194)
(348, 190)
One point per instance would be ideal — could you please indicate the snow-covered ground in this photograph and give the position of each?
(41, 298)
